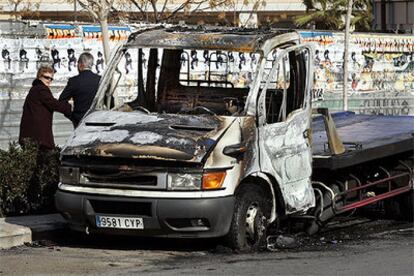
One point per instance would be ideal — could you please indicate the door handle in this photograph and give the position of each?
(307, 134)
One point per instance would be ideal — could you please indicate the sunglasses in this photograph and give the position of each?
(47, 78)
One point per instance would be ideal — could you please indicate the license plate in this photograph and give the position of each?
(119, 222)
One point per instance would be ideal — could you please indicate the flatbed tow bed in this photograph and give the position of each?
(365, 137)
(376, 163)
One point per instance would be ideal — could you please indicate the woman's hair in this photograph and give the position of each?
(44, 69)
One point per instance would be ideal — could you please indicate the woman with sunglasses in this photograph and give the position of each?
(39, 105)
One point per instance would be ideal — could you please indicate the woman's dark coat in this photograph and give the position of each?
(38, 115)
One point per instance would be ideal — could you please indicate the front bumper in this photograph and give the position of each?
(162, 217)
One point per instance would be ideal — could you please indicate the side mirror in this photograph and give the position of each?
(236, 151)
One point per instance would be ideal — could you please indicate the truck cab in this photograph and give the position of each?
(194, 133)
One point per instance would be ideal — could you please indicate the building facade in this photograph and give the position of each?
(394, 16)
(275, 13)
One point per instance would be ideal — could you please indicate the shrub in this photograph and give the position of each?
(28, 179)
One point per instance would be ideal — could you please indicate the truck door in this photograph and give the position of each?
(284, 114)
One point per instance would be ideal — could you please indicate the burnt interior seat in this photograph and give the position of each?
(213, 98)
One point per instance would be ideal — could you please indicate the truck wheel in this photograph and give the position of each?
(400, 207)
(249, 222)
(407, 206)
(392, 209)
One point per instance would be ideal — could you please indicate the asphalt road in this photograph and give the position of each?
(356, 246)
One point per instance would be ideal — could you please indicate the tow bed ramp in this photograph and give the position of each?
(365, 137)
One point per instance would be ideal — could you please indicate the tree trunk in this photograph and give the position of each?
(346, 42)
(15, 11)
(105, 38)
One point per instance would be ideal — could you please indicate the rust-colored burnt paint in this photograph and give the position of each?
(241, 40)
(185, 138)
(137, 151)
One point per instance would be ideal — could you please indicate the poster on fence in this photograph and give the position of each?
(116, 33)
(377, 62)
(59, 31)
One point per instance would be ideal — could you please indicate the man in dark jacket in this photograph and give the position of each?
(81, 88)
(38, 108)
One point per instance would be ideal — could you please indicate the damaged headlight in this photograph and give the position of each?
(207, 181)
(186, 181)
(69, 175)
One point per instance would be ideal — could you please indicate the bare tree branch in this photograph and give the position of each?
(164, 14)
(23, 7)
(100, 10)
(154, 7)
(84, 4)
(215, 5)
(141, 9)
(164, 6)
(180, 8)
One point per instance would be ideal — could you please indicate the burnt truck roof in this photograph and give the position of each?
(211, 38)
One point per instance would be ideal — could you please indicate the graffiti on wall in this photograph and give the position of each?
(385, 106)
(115, 33)
(377, 62)
(61, 47)
(60, 31)
(22, 57)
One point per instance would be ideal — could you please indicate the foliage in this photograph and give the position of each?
(330, 14)
(324, 14)
(28, 179)
(362, 15)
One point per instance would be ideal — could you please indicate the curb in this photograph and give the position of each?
(16, 231)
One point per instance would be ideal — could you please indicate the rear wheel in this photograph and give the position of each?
(251, 212)
(401, 207)
(407, 206)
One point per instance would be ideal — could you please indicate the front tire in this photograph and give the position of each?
(249, 222)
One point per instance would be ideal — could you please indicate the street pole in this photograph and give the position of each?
(105, 38)
(346, 42)
(75, 10)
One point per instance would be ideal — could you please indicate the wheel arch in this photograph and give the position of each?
(270, 186)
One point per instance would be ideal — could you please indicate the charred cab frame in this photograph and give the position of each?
(194, 157)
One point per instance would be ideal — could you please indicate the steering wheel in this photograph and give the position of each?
(141, 108)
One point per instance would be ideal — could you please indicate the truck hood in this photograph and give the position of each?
(186, 138)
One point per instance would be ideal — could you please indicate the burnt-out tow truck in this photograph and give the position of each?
(199, 133)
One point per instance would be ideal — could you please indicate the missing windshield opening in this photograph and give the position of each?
(181, 81)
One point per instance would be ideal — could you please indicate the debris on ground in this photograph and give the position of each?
(281, 242)
(221, 249)
(352, 229)
(41, 243)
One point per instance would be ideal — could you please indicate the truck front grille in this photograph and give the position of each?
(146, 180)
(123, 179)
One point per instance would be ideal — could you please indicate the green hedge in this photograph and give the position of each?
(28, 180)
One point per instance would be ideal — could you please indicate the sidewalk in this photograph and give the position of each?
(15, 231)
